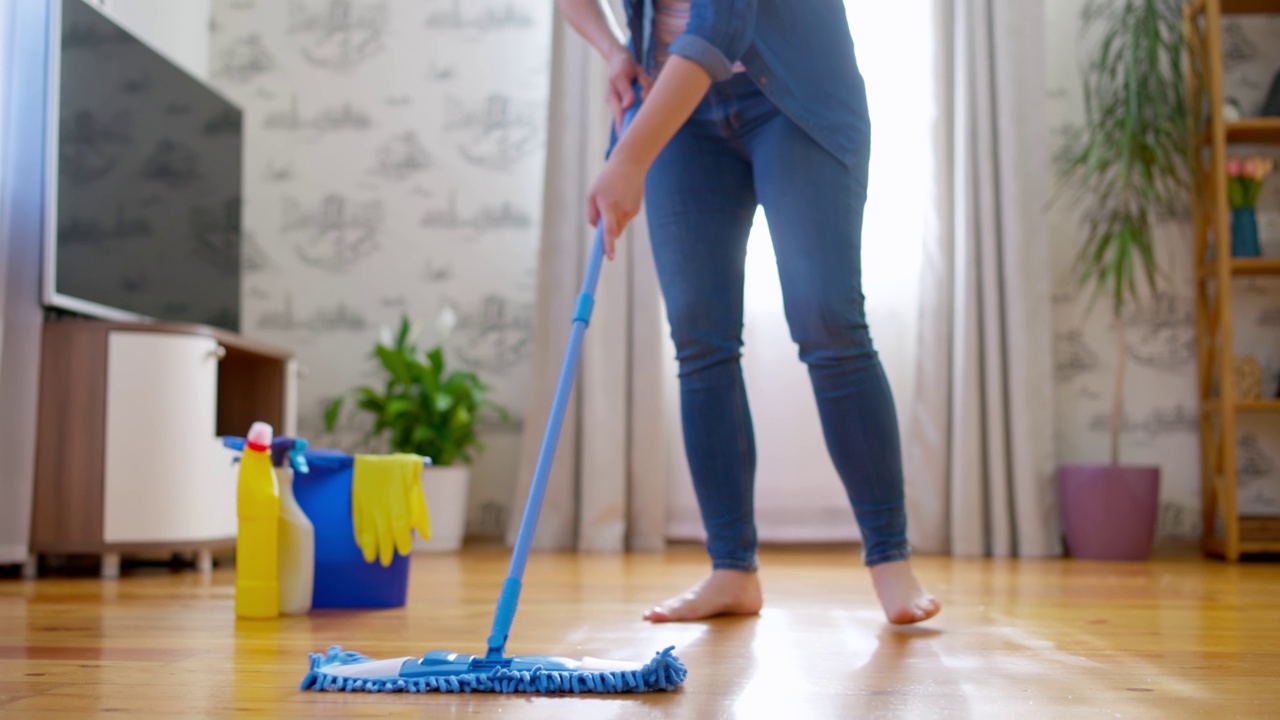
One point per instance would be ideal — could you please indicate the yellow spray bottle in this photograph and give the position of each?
(257, 544)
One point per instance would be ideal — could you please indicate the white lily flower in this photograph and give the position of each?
(446, 321)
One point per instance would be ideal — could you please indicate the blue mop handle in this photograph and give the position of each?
(507, 602)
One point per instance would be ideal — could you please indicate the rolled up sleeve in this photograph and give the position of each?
(718, 33)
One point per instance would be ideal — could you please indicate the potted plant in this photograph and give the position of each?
(425, 409)
(1131, 162)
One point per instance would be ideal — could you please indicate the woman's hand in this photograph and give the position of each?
(616, 195)
(623, 73)
(615, 198)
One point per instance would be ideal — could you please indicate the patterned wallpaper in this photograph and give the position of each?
(395, 153)
(1161, 423)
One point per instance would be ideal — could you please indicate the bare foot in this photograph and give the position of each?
(725, 592)
(903, 599)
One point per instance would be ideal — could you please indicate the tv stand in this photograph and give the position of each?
(128, 455)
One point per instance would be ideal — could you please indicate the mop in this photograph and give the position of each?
(446, 671)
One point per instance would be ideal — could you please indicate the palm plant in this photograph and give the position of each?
(1131, 160)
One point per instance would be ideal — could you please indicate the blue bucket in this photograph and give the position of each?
(342, 578)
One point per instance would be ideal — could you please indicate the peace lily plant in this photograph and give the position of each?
(425, 408)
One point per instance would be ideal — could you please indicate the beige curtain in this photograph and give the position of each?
(607, 489)
(979, 453)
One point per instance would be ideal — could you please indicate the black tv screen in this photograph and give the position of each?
(145, 179)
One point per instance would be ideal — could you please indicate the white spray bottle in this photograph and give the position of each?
(297, 538)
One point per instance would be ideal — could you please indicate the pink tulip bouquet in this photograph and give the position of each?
(1244, 179)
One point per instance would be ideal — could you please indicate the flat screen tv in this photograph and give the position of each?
(144, 180)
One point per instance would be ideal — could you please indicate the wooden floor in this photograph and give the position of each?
(1180, 637)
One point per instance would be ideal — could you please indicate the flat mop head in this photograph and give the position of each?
(444, 671)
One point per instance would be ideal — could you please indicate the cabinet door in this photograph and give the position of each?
(167, 477)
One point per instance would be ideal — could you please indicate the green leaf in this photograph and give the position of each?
(397, 407)
(500, 410)
(402, 336)
(1235, 193)
(331, 413)
(1133, 154)
(430, 378)
(423, 433)
(374, 405)
(394, 364)
(443, 403)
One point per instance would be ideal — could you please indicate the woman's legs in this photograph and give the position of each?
(814, 205)
(700, 202)
(701, 196)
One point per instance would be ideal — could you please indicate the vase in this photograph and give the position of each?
(1109, 512)
(1244, 232)
(446, 490)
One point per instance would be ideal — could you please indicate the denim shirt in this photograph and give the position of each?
(799, 53)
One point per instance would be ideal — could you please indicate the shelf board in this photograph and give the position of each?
(1258, 535)
(1251, 131)
(1250, 7)
(1247, 547)
(1243, 266)
(1210, 406)
(1265, 405)
(1258, 528)
(1254, 130)
(1255, 266)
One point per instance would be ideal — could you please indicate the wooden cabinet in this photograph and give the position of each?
(128, 453)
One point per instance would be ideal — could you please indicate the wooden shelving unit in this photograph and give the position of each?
(1226, 533)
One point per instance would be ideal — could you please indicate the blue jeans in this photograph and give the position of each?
(737, 151)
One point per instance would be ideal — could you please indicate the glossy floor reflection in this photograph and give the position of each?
(1175, 637)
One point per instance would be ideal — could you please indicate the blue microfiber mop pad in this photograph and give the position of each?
(442, 671)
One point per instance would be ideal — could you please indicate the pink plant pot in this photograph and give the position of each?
(1109, 511)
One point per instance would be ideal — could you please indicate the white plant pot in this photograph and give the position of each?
(445, 488)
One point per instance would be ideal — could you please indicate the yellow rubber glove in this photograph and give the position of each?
(387, 505)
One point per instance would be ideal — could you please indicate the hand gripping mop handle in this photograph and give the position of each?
(506, 610)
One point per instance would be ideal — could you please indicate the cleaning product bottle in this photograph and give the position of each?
(257, 544)
(297, 537)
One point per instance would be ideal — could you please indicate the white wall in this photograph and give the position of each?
(395, 156)
(177, 28)
(1162, 402)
